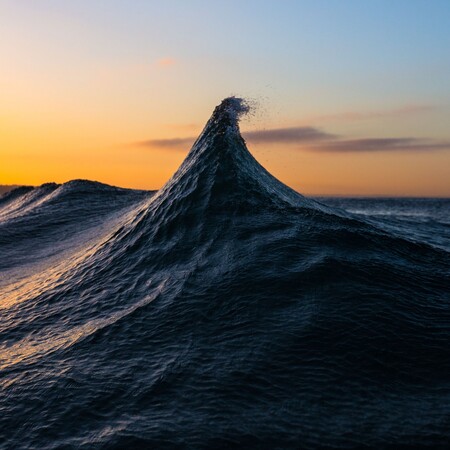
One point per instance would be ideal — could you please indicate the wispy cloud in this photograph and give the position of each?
(313, 139)
(170, 144)
(293, 135)
(165, 62)
(381, 145)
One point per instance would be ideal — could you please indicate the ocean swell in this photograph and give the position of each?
(224, 310)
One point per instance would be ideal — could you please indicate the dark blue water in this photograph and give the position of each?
(223, 311)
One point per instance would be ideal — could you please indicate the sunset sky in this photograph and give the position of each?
(351, 97)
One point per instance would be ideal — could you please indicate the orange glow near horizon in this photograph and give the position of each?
(39, 149)
(79, 95)
(34, 157)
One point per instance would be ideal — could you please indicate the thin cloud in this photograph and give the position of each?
(165, 62)
(381, 145)
(293, 135)
(313, 139)
(170, 144)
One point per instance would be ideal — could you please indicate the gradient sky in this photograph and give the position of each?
(354, 97)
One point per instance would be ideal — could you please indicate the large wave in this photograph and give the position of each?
(225, 310)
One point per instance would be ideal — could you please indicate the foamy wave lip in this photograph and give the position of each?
(232, 108)
(236, 106)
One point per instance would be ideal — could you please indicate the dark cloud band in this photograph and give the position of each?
(294, 135)
(380, 145)
(314, 139)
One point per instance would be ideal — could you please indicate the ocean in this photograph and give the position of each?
(223, 311)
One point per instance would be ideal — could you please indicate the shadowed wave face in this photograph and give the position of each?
(223, 311)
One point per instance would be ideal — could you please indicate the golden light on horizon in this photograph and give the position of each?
(76, 98)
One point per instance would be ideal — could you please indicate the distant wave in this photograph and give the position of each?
(223, 311)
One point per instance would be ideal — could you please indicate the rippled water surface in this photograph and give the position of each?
(223, 311)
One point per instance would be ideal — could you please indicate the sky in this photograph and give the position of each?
(350, 97)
